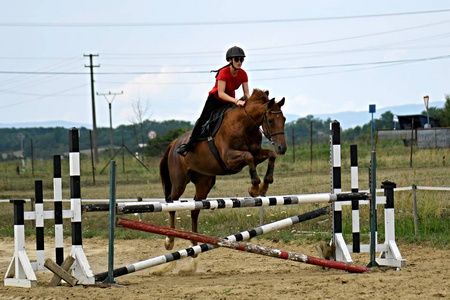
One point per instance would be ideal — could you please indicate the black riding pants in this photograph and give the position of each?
(211, 105)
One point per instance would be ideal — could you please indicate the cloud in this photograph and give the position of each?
(169, 96)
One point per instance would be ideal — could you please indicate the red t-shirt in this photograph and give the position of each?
(232, 83)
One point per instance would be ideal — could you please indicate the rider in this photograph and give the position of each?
(228, 79)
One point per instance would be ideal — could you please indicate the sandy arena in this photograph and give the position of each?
(229, 274)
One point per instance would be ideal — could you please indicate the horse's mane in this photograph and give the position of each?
(258, 94)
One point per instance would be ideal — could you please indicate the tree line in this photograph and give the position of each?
(50, 141)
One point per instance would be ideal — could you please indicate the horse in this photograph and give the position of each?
(238, 144)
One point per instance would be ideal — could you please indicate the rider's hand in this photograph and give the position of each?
(240, 102)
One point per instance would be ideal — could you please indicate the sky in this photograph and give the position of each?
(322, 56)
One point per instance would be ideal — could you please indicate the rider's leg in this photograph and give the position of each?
(210, 106)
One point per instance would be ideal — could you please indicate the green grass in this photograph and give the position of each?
(429, 169)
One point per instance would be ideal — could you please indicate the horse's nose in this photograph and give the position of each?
(281, 149)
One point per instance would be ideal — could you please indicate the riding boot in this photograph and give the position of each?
(183, 149)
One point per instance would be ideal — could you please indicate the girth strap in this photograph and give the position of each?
(213, 148)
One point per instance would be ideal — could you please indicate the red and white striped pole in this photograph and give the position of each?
(241, 246)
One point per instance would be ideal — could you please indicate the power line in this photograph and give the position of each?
(248, 70)
(212, 53)
(45, 96)
(35, 95)
(350, 37)
(201, 54)
(209, 23)
(383, 65)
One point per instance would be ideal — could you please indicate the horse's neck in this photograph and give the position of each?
(255, 112)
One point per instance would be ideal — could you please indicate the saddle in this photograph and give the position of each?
(210, 128)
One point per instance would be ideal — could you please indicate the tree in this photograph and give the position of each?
(442, 115)
(445, 118)
(140, 110)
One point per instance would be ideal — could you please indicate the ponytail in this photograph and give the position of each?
(218, 70)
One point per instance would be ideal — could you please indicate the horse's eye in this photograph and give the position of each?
(271, 121)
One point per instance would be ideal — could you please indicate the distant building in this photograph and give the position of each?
(406, 121)
(431, 138)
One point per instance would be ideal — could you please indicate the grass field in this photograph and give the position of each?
(429, 168)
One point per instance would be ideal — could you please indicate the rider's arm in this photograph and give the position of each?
(224, 96)
(245, 89)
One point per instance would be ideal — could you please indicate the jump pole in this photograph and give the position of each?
(223, 203)
(241, 246)
(242, 236)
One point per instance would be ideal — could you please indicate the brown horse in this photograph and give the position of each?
(238, 142)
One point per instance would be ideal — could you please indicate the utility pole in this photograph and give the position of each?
(94, 121)
(111, 138)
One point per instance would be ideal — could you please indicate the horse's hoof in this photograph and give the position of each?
(263, 189)
(168, 243)
(253, 191)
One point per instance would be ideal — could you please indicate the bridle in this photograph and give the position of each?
(268, 134)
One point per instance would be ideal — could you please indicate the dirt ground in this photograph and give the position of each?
(229, 274)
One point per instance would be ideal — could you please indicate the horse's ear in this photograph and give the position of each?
(281, 102)
(271, 103)
(267, 93)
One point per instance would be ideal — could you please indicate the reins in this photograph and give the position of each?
(268, 135)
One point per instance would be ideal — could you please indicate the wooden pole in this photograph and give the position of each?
(32, 158)
(373, 210)
(92, 157)
(293, 144)
(311, 147)
(123, 155)
(416, 218)
(197, 249)
(112, 218)
(412, 140)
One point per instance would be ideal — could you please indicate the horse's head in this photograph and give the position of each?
(273, 125)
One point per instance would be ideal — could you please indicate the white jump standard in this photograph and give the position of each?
(389, 253)
(21, 271)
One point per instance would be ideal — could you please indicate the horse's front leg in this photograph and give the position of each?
(235, 158)
(268, 178)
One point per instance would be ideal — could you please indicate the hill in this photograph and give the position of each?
(350, 119)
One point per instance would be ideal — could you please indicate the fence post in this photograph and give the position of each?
(416, 225)
(112, 223)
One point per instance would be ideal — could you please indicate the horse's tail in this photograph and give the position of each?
(164, 172)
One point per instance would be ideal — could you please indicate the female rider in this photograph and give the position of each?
(228, 80)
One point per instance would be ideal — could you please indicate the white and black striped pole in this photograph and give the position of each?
(355, 203)
(81, 268)
(75, 187)
(40, 252)
(335, 173)
(389, 213)
(57, 198)
(20, 271)
(342, 252)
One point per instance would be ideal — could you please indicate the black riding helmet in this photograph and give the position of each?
(235, 52)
